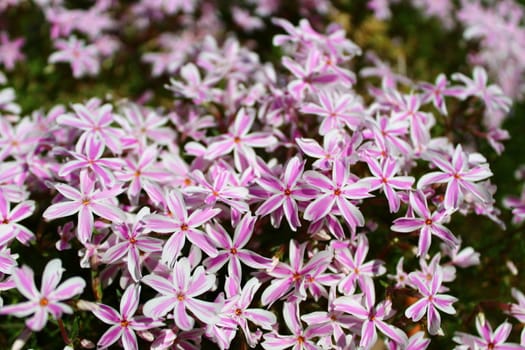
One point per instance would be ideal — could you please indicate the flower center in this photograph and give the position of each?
(337, 192)
(296, 276)
(137, 173)
(300, 339)
(287, 192)
(132, 240)
(184, 227)
(233, 250)
(44, 302)
(457, 176)
(238, 312)
(237, 139)
(124, 323)
(428, 222)
(180, 297)
(5, 221)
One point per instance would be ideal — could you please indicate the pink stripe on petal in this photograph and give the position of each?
(319, 208)
(270, 205)
(202, 241)
(107, 314)
(24, 280)
(129, 301)
(417, 310)
(392, 332)
(38, 321)
(129, 339)
(20, 310)
(110, 336)
(173, 247)
(68, 289)
(109, 212)
(160, 306)
(181, 317)
(433, 320)
(368, 334)
(85, 224)
(276, 290)
(22, 211)
(51, 276)
(61, 209)
(160, 284)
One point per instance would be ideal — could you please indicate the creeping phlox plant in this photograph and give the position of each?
(299, 204)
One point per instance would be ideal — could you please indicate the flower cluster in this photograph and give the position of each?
(259, 195)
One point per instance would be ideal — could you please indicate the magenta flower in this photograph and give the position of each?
(333, 147)
(9, 218)
(181, 226)
(459, 176)
(96, 122)
(389, 135)
(384, 178)
(132, 242)
(221, 189)
(10, 51)
(492, 95)
(355, 268)
(427, 224)
(430, 301)
(437, 92)
(295, 275)
(240, 141)
(233, 251)
(284, 193)
(236, 311)
(337, 111)
(307, 74)
(83, 58)
(301, 339)
(143, 172)
(489, 340)
(198, 89)
(419, 121)
(179, 292)
(338, 191)
(91, 159)
(124, 323)
(48, 299)
(372, 317)
(86, 202)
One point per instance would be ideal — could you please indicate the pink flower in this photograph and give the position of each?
(179, 293)
(301, 339)
(372, 317)
(295, 276)
(132, 242)
(284, 193)
(240, 142)
(437, 92)
(95, 121)
(83, 58)
(124, 323)
(236, 311)
(355, 268)
(337, 111)
(339, 192)
(48, 299)
(10, 51)
(430, 301)
(9, 218)
(490, 339)
(427, 224)
(459, 176)
(86, 202)
(384, 178)
(233, 251)
(181, 226)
